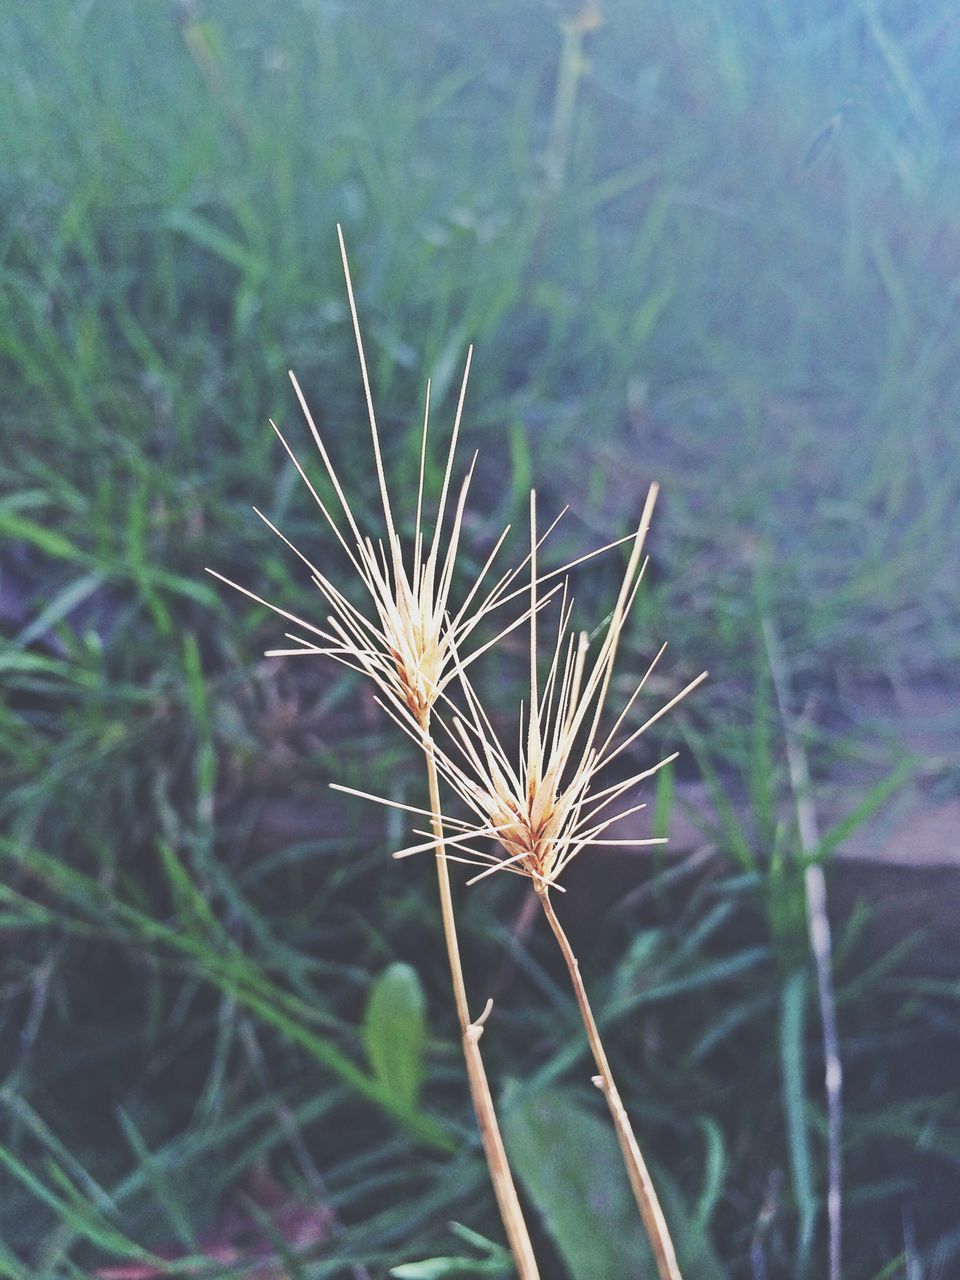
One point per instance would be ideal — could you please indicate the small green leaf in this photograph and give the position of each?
(489, 1247)
(871, 802)
(569, 1164)
(663, 802)
(713, 1173)
(50, 542)
(495, 1263)
(429, 1269)
(63, 603)
(440, 1268)
(394, 1033)
(794, 1104)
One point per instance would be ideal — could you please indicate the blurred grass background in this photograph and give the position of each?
(711, 244)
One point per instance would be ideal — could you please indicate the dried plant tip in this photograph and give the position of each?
(545, 808)
(404, 643)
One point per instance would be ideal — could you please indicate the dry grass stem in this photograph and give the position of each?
(818, 929)
(541, 812)
(641, 1184)
(470, 1032)
(406, 648)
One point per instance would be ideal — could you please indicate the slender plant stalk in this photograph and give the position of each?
(471, 1031)
(818, 928)
(543, 811)
(640, 1181)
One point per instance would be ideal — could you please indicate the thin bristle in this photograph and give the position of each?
(341, 496)
(316, 497)
(368, 395)
(448, 470)
(291, 617)
(418, 523)
(678, 697)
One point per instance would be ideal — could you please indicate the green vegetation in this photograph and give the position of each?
(710, 244)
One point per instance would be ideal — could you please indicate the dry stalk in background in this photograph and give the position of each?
(641, 1184)
(407, 650)
(542, 812)
(818, 929)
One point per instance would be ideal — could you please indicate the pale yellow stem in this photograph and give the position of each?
(471, 1031)
(640, 1181)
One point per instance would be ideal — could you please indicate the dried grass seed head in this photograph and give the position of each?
(543, 810)
(407, 645)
